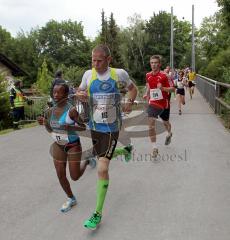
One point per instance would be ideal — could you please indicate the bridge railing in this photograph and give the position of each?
(212, 91)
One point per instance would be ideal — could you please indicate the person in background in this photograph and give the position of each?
(17, 101)
(157, 95)
(180, 83)
(191, 82)
(170, 75)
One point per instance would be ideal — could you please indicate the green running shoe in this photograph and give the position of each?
(93, 221)
(128, 153)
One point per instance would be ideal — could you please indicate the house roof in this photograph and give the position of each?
(15, 69)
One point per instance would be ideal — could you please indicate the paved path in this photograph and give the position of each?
(184, 195)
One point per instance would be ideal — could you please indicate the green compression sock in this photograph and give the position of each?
(102, 186)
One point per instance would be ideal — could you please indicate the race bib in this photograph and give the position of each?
(156, 94)
(60, 138)
(104, 108)
(180, 84)
(104, 113)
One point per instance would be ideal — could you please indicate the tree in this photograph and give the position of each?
(213, 44)
(159, 28)
(114, 42)
(5, 42)
(43, 79)
(217, 68)
(109, 35)
(104, 28)
(210, 40)
(73, 74)
(133, 47)
(26, 55)
(225, 10)
(64, 43)
(182, 43)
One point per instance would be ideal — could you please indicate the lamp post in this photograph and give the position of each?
(193, 42)
(171, 42)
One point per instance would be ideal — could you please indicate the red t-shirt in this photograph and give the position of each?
(158, 98)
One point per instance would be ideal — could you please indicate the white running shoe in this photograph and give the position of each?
(68, 204)
(155, 152)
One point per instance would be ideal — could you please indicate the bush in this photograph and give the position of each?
(217, 68)
(227, 97)
(226, 74)
(5, 119)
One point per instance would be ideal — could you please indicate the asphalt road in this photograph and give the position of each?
(183, 195)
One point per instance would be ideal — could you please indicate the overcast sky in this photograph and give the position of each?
(16, 15)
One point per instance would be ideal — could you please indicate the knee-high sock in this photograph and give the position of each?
(102, 186)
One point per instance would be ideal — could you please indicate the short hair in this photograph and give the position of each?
(65, 86)
(181, 71)
(102, 48)
(58, 73)
(158, 57)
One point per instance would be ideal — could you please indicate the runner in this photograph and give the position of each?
(191, 82)
(101, 84)
(157, 94)
(170, 75)
(62, 121)
(180, 83)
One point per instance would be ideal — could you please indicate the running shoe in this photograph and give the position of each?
(168, 139)
(155, 152)
(128, 154)
(68, 204)
(180, 112)
(92, 162)
(93, 221)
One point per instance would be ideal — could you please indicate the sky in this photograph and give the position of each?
(17, 15)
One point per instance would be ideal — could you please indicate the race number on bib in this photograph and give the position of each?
(156, 94)
(60, 138)
(105, 107)
(180, 84)
(104, 114)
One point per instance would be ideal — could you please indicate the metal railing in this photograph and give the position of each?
(36, 109)
(40, 105)
(212, 91)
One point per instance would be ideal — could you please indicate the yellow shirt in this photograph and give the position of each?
(191, 76)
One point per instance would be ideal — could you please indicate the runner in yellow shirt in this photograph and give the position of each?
(191, 82)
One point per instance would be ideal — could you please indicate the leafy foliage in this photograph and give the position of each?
(44, 79)
(110, 36)
(5, 120)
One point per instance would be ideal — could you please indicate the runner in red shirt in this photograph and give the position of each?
(157, 94)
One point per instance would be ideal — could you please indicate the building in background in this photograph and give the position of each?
(10, 70)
